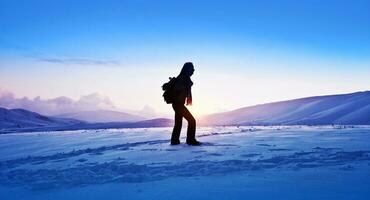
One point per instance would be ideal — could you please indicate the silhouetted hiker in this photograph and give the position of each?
(177, 91)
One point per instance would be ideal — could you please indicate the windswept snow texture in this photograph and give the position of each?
(344, 109)
(285, 162)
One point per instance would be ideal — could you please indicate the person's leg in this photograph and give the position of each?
(175, 138)
(190, 138)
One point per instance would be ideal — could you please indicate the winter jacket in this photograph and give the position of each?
(182, 89)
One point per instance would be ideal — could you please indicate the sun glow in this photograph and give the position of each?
(200, 109)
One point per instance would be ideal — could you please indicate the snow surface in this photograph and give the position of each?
(286, 162)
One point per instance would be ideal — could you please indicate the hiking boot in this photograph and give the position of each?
(193, 143)
(175, 142)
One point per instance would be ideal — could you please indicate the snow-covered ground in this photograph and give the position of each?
(291, 162)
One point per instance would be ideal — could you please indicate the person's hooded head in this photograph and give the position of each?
(187, 69)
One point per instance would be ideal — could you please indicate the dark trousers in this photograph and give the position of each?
(180, 112)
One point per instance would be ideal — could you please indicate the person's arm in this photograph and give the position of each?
(189, 98)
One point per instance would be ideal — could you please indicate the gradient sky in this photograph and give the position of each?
(244, 52)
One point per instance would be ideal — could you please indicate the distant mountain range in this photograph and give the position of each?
(98, 116)
(20, 120)
(343, 109)
(346, 109)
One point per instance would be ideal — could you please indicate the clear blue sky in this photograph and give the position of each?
(260, 51)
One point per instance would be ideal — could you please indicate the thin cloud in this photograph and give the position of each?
(55, 106)
(80, 61)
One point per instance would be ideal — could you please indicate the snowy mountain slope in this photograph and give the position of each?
(102, 116)
(332, 109)
(20, 118)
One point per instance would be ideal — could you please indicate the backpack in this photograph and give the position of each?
(169, 90)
